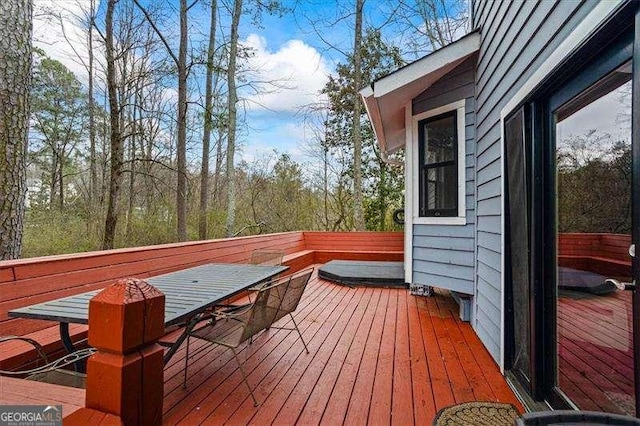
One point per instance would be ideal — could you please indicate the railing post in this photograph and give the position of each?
(125, 375)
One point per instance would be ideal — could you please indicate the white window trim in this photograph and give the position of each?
(412, 184)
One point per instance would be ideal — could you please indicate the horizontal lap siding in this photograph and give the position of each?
(443, 255)
(517, 37)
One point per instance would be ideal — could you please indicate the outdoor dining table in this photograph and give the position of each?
(188, 293)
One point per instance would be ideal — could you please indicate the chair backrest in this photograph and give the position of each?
(265, 308)
(266, 257)
(297, 284)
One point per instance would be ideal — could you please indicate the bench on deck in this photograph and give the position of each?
(604, 254)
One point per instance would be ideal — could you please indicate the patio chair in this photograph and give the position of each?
(262, 257)
(51, 372)
(234, 328)
(289, 304)
(266, 257)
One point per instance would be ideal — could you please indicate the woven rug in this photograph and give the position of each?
(477, 414)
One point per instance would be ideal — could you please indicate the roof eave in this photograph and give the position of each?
(424, 69)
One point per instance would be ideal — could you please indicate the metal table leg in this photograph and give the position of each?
(79, 365)
(174, 348)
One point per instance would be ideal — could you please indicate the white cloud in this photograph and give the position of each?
(59, 31)
(289, 137)
(289, 78)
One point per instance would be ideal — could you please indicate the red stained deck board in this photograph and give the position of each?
(203, 385)
(440, 383)
(307, 369)
(323, 388)
(380, 408)
(473, 371)
(402, 403)
(489, 368)
(25, 392)
(362, 342)
(322, 373)
(338, 401)
(614, 318)
(360, 400)
(460, 387)
(278, 384)
(608, 338)
(424, 408)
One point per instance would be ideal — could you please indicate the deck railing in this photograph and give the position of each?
(28, 281)
(605, 254)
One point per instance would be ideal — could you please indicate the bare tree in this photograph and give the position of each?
(232, 97)
(428, 25)
(181, 149)
(15, 81)
(115, 180)
(94, 189)
(208, 127)
(358, 210)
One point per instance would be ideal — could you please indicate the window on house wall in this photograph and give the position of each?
(438, 165)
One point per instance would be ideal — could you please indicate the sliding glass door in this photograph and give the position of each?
(572, 216)
(593, 175)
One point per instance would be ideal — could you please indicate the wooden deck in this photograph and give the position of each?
(377, 356)
(596, 352)
(24, 392)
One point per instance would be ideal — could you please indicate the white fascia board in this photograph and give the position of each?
(371, 106)
(430, 63)
(366, 92)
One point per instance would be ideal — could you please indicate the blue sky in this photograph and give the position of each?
(286, 48)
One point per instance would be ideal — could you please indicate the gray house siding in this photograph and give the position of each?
(517, 37)
(443, 255)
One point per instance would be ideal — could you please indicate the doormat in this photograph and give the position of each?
(477, 413)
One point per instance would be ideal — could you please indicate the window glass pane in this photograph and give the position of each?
(440, 144)
(442, 187)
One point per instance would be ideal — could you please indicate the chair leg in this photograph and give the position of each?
(244, 377)
(299, 334)
(186, 365)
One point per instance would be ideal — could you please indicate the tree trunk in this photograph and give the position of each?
(115, 180)
(216, 173)
(206, 139)
(181, 196)
(53, 180)
(132, 161)
(15, 82)
(61, 184)
(94, 195)
(325, 183)
(232, 99)
(358, 211)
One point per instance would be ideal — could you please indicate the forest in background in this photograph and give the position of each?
(145, 151)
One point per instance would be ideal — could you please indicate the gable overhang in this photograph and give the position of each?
(386, 98)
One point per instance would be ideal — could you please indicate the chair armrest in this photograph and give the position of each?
(232, 311)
